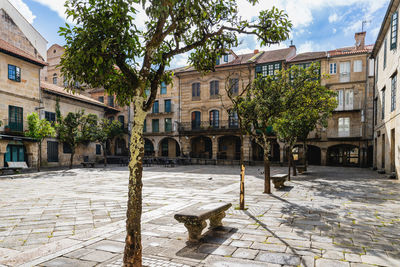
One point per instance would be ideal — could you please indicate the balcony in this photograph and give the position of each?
(353, 133)
(199, 126)
(12, 127)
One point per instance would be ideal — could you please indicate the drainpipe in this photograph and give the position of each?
(365, 156)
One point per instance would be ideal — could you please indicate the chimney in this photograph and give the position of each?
(360, 40)
(256, 51)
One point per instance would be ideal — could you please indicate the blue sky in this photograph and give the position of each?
(318, 24)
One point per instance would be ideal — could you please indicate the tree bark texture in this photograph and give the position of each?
(104, 154)
(293, 164)
(305, 149)
(267, 169)
(242, 173)
(39, 156)
(289, 162)
(133, 246)
(71, 158)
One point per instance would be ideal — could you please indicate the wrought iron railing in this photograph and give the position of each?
(208, 125)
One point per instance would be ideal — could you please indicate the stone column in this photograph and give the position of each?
(281, 152)
(185, 143)
(214, 140)
(324, 156)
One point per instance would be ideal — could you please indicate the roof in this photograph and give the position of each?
(11, 50)
(351, 50)
(277, 55)
(52, 88)
(384, 26)
(308, 56)
(96, 90)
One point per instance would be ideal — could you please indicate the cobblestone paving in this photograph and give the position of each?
(329, 217)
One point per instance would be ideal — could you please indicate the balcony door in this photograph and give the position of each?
(196, 119)
(214, 118)
(345, 71)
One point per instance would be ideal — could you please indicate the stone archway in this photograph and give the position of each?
(229, 147)
(201, 147)
(148, 147)
(258, 151)
(169, 147)
(343, 155)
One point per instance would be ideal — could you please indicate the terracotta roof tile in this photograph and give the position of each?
(60, 91)
(308, 56)
(276, 55)
(350, 50)
(7, 48)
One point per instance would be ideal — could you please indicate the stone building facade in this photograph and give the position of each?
(208, 128)
(347, 141)
(386, 97)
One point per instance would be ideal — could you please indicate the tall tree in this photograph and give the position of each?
(76, 129)
(106, 49)
(306, 104)
(106, 130)
(39, 129)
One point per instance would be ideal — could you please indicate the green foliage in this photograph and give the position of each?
(39, 129)
(106, 49)
(77, 128)
(107, 130)
(306, 103)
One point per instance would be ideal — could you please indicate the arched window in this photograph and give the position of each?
(196, 121)
(233, 119)
(214, 118)
(55, 78)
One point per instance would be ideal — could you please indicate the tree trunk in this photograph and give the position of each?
(71, 160)
(305, 155)
(133, 246)
(39, 156)
(289, 162)
(104, 154)
(242, 173)
(267, 174)
(293, 164)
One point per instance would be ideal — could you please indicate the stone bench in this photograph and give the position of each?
(194, 218)
(88, 164)
(279, 180)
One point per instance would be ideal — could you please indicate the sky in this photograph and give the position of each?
(318, 25)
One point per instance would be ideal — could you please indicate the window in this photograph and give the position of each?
(196, 90)
(393, 96)
(50, 116)
(145, 126)
(155, 107)
(15, 116)
(14, 73)
(214, 118)
(66, 84)
(163, 90)
(393, 31)
(233, 119)
(357, 66)
(340, 100)
(345, 99)
(55, 78)
(345, 71)
(384, 54)
(111, 100)
(234, 86)
(344, 127)
(98, 149)
(167, 105)
(121, 119)
(168, 125)
(155, 125)
(348, 100)
(214, 88)
(268, 69)
(52, 151)
(67, 148)
(226, 58)
(332, 68)
(383, 103)
(196, 119)
(101, 99)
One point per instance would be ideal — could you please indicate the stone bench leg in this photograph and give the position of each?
(216, 220)
(195, 229)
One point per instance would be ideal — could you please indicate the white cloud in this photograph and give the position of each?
(24, 10)
(311, 46)
(333, 18)
(334, 30)
(55, 5)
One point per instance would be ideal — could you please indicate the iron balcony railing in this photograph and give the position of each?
(208, 125)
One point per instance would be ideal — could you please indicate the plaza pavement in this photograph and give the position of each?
(330, 217)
